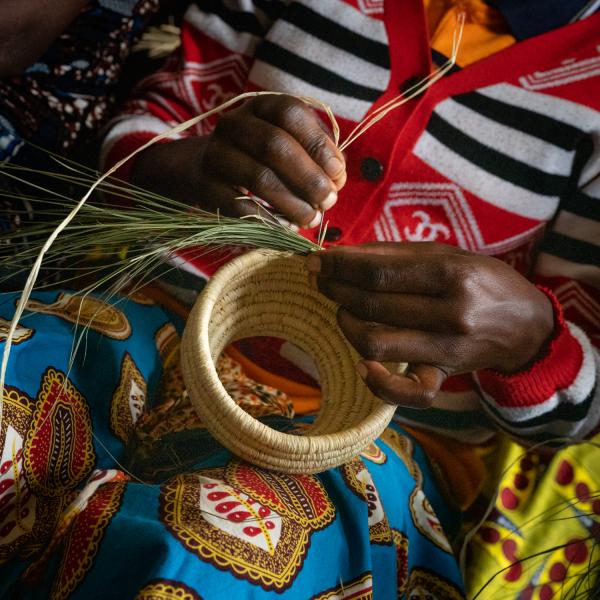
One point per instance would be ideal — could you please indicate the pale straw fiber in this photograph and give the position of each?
(267, 294)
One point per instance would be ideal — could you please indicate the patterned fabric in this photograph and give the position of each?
(183, 518)
(540, 539)
(501, 157)
(67, 93)
(64, 98)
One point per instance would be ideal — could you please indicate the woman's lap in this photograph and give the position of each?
(101, 511)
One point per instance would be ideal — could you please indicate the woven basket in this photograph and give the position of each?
(267, 294)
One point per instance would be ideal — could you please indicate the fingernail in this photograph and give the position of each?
(333, 167)
(313, 264)
(316, 220)
(329, 201)
(362, 370)
(312, 281)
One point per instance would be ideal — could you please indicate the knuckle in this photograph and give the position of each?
(317, 144)
(375, 277)
(264, 179)
(466, 275)
(273, 147)
(284, 111)
(366, 307)
(289, 111)
(448, 350)
(467, 322)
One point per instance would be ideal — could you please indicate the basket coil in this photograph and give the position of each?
(267, 294)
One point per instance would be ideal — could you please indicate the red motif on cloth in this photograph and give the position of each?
(253, 523)
(25, 520)
(426, 521)
(84, 537)
(129, 399)
(401, 544)
(79, 532)
(359, 480)
(59, 452)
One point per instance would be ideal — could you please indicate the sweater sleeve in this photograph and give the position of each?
(218, 41)
(559, 396)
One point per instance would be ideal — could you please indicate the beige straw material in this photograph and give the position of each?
(265, 293)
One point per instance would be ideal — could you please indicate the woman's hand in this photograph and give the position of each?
(441, 309)
(272, 146)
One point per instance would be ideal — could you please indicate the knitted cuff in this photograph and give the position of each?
(556, 368)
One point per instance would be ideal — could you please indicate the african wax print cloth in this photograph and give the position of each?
(110, 486)
(540, 540)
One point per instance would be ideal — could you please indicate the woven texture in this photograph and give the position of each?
(267, 294)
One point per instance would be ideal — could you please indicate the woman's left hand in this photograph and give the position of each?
(441, 309)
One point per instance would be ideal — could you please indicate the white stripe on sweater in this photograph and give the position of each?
(518, 145)
(271, 78)
(482, 183)
(565, 111)
(311, 48)
(214, 27)
(350, 18)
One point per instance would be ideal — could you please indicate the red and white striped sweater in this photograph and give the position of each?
(501, 158)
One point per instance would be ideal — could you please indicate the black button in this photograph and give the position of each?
(410, 83)
(333, 234)
(371, 168)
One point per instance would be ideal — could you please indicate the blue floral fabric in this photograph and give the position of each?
(110, 486)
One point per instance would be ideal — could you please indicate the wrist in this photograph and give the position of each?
(547, 324)
(545, 317)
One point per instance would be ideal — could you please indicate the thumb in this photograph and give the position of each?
(416, 388)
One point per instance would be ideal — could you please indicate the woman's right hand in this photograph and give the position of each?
(274, 147)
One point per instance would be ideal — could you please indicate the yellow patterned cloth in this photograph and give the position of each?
(543, 532)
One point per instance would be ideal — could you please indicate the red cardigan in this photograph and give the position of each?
(499, 158)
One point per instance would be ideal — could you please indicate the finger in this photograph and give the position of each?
(415, 389)
(412, 311)
(383, 343)
(409, 272)
(230, 165)
(223, 198)
(285, 156)
(303, 124)
(400, 248)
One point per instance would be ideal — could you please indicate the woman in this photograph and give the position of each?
(486, 161)
(60, 65)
